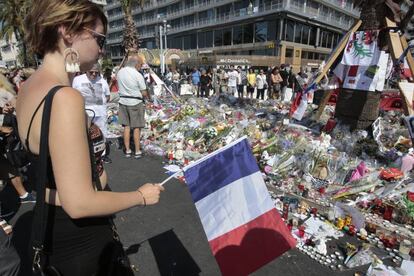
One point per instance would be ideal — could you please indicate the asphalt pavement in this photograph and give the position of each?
(164, 239)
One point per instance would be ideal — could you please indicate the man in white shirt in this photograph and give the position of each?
(132, 91)
(232, 80)
(95, 90)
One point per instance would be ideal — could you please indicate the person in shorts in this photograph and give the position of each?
(132, 91)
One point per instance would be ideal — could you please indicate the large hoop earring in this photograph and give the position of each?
(71, 60)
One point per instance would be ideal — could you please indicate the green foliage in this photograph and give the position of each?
(12, 15)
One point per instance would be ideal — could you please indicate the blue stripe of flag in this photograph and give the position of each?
(220, 170)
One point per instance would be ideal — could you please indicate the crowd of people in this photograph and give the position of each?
(246, 82)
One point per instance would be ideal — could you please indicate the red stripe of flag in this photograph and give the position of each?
(252, 245)
(353, 71)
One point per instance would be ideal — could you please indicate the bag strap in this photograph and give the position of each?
(40, 212)
(98, 184)
(133, 97)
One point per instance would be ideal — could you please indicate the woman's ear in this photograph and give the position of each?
(67, 38)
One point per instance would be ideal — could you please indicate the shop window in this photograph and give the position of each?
(227, 36)
(272, 30)
(248, 33)
(209, 39)
(329, 40)
(260, 32)
(218, 38)
(305, 34)
(312, 36)
(290, 30)
(201, 40)
(298, 32)
(237, 35)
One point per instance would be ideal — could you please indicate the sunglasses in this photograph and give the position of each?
(100, 38)
(93, 72)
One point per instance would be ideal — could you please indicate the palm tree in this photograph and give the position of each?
(12, 14)
(131, 38)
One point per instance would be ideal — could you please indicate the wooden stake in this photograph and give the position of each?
(335, 54)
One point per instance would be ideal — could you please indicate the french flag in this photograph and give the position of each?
(244, 229)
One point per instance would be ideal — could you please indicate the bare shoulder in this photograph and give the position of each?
(68, 97)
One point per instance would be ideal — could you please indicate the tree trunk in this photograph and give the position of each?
(130, 42)
(359, 109)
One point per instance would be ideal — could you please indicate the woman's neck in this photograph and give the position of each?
(54, 64)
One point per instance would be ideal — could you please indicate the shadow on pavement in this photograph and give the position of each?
(171, 256)
(258, 247)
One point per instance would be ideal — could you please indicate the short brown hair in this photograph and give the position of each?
(45, 17)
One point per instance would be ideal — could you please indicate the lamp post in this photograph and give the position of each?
(163, 44)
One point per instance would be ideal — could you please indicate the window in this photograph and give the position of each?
(304, 54)
(237, 34)
(260, 32)
(162, 12)
(305, 34)
(312, 35)
(322, 39)
(174, 7)
(298, 32)
(248, 33)
(289, 30)
(150, 15)
(227, 36)
(218, 38)
(175, 23)
(201, 40)
(272, 30)
(329, 40)
(176, 42)
(188, 20)
(205, 39)
(189, 3)
(202, 15)
(190, 42)
(209, 39)
(289, 53)
(224, 10)
(241, 4)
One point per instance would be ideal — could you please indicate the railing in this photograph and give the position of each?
(112, 5)
(274, 6)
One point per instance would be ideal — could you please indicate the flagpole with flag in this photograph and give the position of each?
(243, 228)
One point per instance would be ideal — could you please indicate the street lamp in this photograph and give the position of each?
(163, 44)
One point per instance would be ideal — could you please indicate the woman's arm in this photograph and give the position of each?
(72, 166)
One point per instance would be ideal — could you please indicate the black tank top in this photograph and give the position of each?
(96, 146)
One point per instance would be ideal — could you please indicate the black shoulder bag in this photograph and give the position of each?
(119, 264)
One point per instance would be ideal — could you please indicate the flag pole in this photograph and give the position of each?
(170, 177)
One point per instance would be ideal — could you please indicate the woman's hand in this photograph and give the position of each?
(150, 193)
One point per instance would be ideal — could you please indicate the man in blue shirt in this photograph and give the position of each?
(195, 79)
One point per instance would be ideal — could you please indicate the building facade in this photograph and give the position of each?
(298, 32)
(9, 52)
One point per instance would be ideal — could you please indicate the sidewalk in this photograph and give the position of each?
(165, 239)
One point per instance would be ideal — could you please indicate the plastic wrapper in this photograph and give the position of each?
(362, 257)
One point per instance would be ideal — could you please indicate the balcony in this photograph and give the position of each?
(114, 4)
(242, 14)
